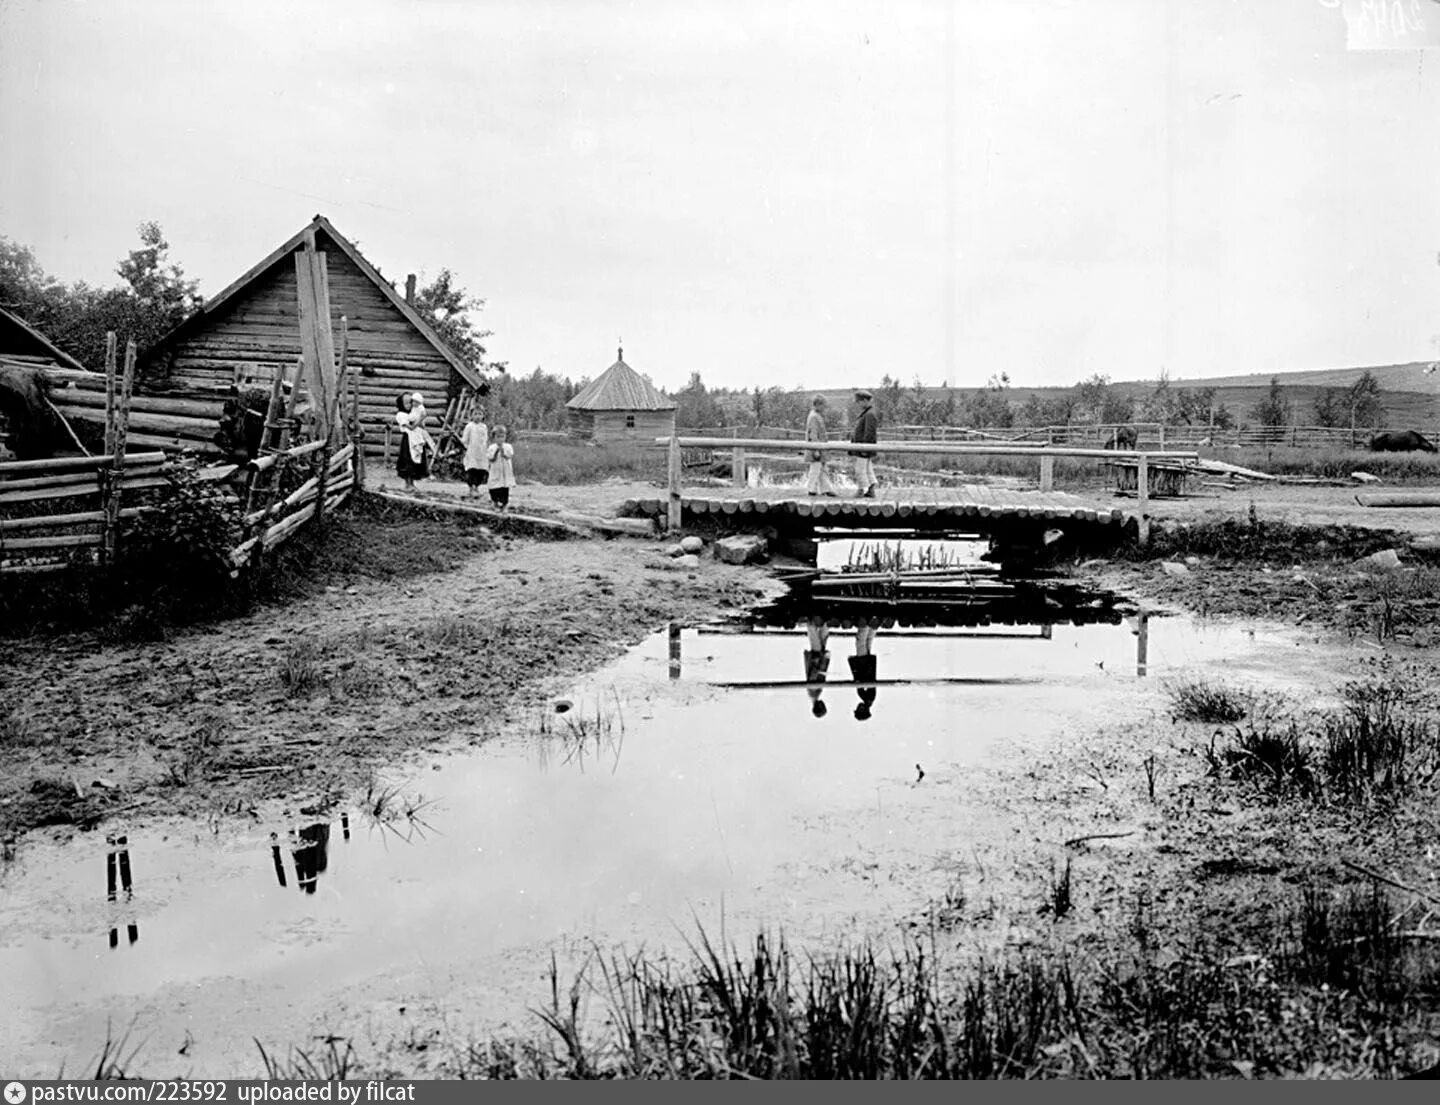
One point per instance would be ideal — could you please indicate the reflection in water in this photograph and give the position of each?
(1142, 643)
(863, 670)
(311, 854)
(817, 662)
(117, 861)
(1034, 608)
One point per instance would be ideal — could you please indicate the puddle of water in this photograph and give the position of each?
(694, 769)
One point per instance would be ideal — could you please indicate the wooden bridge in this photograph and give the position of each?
(1007, 516)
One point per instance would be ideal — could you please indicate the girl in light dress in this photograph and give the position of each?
(501, 455)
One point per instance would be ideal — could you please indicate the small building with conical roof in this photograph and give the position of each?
(620, 405)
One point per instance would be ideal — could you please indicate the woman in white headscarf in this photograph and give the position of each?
(417, 447)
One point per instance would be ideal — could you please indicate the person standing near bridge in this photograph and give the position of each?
(817, 480)
(865, 431)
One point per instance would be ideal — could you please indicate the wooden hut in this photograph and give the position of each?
(250, 331)
(620, 405)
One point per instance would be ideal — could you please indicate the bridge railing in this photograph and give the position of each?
(740, 448)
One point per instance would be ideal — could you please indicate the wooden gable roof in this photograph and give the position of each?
(19, 339)
(319, 226)
(620, 388)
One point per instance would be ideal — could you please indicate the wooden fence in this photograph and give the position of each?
(325, 471)
(57, 511)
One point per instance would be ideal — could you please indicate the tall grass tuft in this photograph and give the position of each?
(1379, 743)
(1202, 700)
(1271, 756)
(330, 1064)
(300, 670)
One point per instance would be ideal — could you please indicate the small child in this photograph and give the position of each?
(476, 439)
(502, 470)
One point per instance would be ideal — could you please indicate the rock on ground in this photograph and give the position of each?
(744, 548)
(691, 544)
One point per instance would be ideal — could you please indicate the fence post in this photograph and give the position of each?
(1142, 496)
(1047, 473)
(1161, 431)
(673, 514)
(117, 457)
(737, 466)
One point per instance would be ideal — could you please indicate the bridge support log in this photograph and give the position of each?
(673, 515)
(1142, 499)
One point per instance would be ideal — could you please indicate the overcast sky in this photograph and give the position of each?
(769, 192)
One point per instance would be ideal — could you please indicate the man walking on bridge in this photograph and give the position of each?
(865, 431)
(817, 479)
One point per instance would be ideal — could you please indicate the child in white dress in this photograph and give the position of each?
(502, 468)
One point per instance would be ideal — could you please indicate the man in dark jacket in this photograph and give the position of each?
(867, 427)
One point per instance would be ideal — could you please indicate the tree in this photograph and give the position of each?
(26, 289)
(155, 298)
(990, 406)
(447, 307)
(696, 408)
(1273, 410)
(1363, 397)
(1332, 408)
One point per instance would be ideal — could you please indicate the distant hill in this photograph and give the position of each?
(1410, 395)
(1391, 377)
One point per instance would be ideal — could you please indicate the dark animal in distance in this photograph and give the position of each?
(1400, 441)
(1124, 437)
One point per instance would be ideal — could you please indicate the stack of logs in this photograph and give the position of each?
(171, 420)
(41, 528)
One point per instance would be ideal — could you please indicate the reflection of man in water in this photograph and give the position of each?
(862, 669)
(311, 854)
(817, 662)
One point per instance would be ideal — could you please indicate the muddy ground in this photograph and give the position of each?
(435, 634)
(371, 660)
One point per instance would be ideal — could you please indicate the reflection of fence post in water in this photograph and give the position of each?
(674, 650)
(345, 825)
(275, 856)
(117, 862)
(1142, 644)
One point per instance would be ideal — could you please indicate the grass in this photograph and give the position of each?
(1382, 742)
(1328, 986)
(300, 671)
(583, 736)
(1203, 700)
(18, 728)
(555, 461)
(330, 1064)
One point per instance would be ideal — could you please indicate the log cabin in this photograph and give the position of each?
(250, 331)
(620, 405)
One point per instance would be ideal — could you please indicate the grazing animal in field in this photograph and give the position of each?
(1400, 441)
(1124, 437)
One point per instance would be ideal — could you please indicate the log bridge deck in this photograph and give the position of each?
(973, 508)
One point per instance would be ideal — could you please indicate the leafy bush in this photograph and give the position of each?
(186, 542)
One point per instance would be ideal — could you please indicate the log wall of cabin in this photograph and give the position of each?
(259, 335)
(639, 427)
